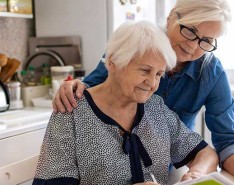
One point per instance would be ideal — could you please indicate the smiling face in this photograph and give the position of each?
(185, 49)
(140, 79)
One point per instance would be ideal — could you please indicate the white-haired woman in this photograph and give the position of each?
(119, 134)
(197, 80)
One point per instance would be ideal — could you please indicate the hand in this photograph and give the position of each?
(147, 183)
(228, 165)
(64, 98)
(191, 175)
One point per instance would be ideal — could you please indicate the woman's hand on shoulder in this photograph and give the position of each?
(64, 99)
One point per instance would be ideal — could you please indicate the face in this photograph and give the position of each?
(140, 79)
(185, 49)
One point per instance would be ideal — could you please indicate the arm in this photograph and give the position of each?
(219, 119)
(205, 162)
(57, 161)
(228, 164)
(64, 99)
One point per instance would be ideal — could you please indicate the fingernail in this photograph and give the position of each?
(74, 105)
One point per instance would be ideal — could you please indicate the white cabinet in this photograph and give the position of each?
(18, 157)
(20, 143)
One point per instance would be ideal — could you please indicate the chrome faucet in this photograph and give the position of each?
(50, 53)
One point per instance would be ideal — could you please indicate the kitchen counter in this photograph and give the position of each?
(21, 135)
(15, 122)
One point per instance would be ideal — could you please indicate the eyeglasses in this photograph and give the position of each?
(205, 43)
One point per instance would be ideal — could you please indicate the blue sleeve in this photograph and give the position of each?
(97, 76)
(219, 117)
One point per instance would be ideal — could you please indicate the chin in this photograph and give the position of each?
(143, 100)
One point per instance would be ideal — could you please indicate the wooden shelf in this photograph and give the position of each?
(17, 15)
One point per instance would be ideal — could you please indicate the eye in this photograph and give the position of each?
(208, 40)
(145, 71)
(159, 75)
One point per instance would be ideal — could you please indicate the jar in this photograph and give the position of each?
(14, 90)
(59, 74)
(15, 95)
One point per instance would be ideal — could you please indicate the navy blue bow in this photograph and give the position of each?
(133, 146)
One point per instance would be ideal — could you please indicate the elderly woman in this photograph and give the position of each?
(197, 80)
(119, 134)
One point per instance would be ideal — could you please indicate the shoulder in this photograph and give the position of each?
(212, 67)
(155, 103)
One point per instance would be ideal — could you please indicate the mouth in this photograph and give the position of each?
(185, 51)
(144, 89)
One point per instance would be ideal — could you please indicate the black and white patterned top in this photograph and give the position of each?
(86, 147)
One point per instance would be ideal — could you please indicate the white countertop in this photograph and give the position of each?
(15, 122)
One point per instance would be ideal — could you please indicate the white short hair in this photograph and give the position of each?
(198, 12)
(133, 40)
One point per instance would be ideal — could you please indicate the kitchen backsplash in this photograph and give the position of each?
(14, 35)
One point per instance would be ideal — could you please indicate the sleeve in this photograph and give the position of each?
(57, 161)
(185, 143)
(98, 75)
(219, 117)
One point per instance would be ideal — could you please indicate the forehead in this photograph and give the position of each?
(151, 59)
(211, 29)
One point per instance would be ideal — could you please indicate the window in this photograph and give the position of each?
(225, 44)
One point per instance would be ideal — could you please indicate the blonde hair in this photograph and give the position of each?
(133, 40)
(201, 11)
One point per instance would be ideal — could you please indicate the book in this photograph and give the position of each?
(215, 178)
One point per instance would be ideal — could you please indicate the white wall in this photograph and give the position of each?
(75, 17)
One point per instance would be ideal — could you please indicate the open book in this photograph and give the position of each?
(214, 178)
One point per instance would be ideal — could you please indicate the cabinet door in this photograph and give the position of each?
(19, 155)
(20, 147)
(21, 172)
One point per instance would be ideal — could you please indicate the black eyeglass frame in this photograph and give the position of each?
(199, 39)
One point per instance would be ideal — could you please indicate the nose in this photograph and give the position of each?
(152, 81)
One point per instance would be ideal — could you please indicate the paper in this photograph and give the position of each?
(214, 178)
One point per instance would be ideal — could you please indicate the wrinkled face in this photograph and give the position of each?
(140, 79)
(187, 50)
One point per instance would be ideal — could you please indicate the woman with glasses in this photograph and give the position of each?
(119, 135)
(198, 79)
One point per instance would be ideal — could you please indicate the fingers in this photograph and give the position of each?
(191, 175)
(80, 89)
(66, 95)
(64, 98)
(57, 103)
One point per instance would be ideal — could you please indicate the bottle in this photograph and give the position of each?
(31, 80)
(24, 80)
(45, 77)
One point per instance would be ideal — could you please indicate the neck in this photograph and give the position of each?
(110, 101)
(179, 66)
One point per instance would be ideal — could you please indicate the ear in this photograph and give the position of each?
(112, 67)
(170, 17)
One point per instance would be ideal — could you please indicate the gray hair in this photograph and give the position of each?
(133, 40)
(202, 11)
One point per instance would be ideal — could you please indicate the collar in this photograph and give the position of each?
(194, 69)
